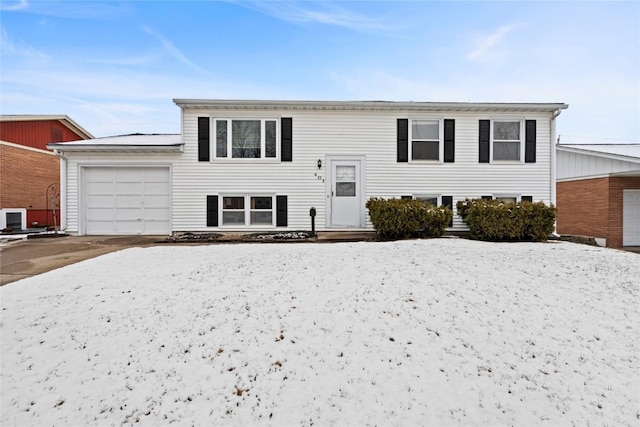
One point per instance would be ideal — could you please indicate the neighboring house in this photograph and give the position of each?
(262, 165)
(29, 173)
(599, 192)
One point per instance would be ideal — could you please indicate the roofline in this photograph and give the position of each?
(66, 147)
(64, 119)
(569, 149)
(367, 105)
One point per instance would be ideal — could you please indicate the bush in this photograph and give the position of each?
(400, 219)
(497, 220)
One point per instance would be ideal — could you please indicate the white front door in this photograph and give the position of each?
(346, 193)
(631, 217)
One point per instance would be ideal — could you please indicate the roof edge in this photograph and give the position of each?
(578, 150)
(367, 105)
(63, 118)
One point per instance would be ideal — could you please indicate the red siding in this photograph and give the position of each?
(36, 133)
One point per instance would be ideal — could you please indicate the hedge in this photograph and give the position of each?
(400, 219)
(497, 220)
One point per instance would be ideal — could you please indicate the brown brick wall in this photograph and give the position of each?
(593, 207)
(24, 177)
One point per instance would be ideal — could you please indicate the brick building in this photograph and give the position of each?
(598, 192)
(29, 173)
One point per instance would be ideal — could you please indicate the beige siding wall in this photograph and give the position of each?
(317, 134)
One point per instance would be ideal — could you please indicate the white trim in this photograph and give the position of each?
(26, 147)
(521, 120)
(21, 211)
(440, 121)
(329, 159)
(568, 149)
(247, 210)
(213, 139)
(367, 105)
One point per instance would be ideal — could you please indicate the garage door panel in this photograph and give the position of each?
(129, 175)
(130, 188)
(156, 214)
(100, 201)
(127, 200)
(131, 214)
(159, 201)
(100, 188)
(100, 214)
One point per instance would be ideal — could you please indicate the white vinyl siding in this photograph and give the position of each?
(372, 134)
(573, 165)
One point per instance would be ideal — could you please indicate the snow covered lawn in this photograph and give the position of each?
(432, 332)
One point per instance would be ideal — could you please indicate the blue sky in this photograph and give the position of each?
(114, 67)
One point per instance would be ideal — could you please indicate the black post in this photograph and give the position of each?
(312, 214)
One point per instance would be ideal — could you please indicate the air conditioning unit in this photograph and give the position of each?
(16, 219)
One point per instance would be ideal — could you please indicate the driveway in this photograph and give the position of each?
(30, 257)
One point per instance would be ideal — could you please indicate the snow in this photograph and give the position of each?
(421, 332)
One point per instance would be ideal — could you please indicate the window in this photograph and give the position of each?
(425, 139)
(507, 199)
(246, 139)
(433, 200)
(247, 210)
(506, 140)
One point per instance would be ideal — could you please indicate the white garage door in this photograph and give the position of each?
(127, 200)
(631, 217)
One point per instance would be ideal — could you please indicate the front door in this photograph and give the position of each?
(346, 205)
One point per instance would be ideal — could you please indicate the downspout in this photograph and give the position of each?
(553, 155)
(63, 189)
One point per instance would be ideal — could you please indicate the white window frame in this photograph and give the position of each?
(213, 133)
(440, 139)
(438, 197)
(521, 141)
(518, 197)
(247, 210)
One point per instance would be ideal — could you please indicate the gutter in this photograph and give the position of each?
(554, 143)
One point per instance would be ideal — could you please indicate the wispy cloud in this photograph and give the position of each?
(486, 44)
(13, 6)
(176, 53)
(11, 47)
(325, 13)
(96, 10)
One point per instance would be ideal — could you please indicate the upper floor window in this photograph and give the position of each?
(246, 138)
(507, 140)
(425, 140)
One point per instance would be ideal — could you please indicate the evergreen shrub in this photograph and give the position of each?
(401, 219)
(498, 220)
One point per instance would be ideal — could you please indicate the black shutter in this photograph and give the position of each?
(212, 211)
(449, 140)
(527, 198)
(447, 201)
(286, 139)
(403, 140)
(483, 139)
(406, 197)
(486, 197)
(281, 211)
(530, 141)
(203, 139)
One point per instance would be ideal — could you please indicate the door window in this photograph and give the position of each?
(345, 181)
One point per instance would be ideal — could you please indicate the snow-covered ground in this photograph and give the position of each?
(432, 332)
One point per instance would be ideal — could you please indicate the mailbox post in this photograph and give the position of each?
(312, 214)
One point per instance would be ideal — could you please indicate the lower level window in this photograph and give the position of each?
(433, 200)
(247, 210)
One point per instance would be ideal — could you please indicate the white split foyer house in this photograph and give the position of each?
(245, 166)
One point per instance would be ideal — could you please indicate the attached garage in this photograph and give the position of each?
(127, 200)
(631, 218)
(118, 185)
